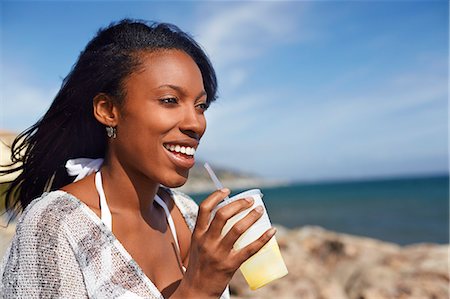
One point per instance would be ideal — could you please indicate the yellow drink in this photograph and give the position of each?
(265, 266)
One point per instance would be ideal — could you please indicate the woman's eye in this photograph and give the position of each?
(169, 101)
(203, 106)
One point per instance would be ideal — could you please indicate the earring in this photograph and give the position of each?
(111, 132)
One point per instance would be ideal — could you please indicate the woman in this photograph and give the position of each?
(135, 98)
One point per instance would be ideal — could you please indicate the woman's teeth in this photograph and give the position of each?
(190, 151)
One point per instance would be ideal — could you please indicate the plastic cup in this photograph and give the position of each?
(267, 264)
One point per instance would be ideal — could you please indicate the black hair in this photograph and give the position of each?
(69, 129)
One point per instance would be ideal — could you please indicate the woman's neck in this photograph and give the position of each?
(126, 189)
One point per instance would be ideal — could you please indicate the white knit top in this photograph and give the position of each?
(59, 248)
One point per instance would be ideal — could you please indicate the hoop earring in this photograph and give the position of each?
(111, 132)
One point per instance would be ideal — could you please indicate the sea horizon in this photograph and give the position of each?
(402, 210)
(391, 177)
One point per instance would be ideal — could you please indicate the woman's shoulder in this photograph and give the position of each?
(40, 257)
(58, 202)
(60, 219)
(48, 209)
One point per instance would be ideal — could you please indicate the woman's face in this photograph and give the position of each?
(162, 119)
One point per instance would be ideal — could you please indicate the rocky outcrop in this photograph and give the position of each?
(324, 264)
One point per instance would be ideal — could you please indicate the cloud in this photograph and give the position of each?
(391, 126)
(246, 30)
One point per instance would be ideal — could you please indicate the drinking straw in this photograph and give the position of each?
(215, 179)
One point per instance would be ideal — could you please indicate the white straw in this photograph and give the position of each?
(214, 179)
(213, 176)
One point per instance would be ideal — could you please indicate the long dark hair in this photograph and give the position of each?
(68, 129)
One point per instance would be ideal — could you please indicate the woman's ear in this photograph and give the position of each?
(104, 110)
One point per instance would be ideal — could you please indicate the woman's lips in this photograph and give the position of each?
(182, 156)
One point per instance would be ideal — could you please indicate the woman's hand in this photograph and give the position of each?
(212, 259)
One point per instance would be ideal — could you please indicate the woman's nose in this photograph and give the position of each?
(193, 123)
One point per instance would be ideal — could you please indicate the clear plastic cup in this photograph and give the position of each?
(267, 264)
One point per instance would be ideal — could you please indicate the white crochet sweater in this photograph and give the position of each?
(60, 249)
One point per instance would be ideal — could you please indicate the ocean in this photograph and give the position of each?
(403, 211)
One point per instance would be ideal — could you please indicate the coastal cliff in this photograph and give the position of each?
(328, 265)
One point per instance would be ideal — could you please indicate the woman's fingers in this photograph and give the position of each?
(204, 212)
(245, 253)
(212, 256)
(224, 213)
(241, 226)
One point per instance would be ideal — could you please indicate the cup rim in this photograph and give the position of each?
(246, 193)
(238, 196)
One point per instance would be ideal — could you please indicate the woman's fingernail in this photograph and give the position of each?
(272, 232)
(249, 199)
(225, 190)
(259, 209)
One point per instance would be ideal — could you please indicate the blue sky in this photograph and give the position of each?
(308, 90)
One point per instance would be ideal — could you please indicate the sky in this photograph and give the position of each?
(308, 90)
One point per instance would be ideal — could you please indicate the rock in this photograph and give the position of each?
(328, 265)
(323, 264)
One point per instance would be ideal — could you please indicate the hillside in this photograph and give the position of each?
(199, 180)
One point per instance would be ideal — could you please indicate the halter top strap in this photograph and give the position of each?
(105, 213)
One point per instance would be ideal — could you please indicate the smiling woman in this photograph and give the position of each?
(126, 122)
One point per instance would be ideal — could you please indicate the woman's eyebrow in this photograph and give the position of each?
(182, 90)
